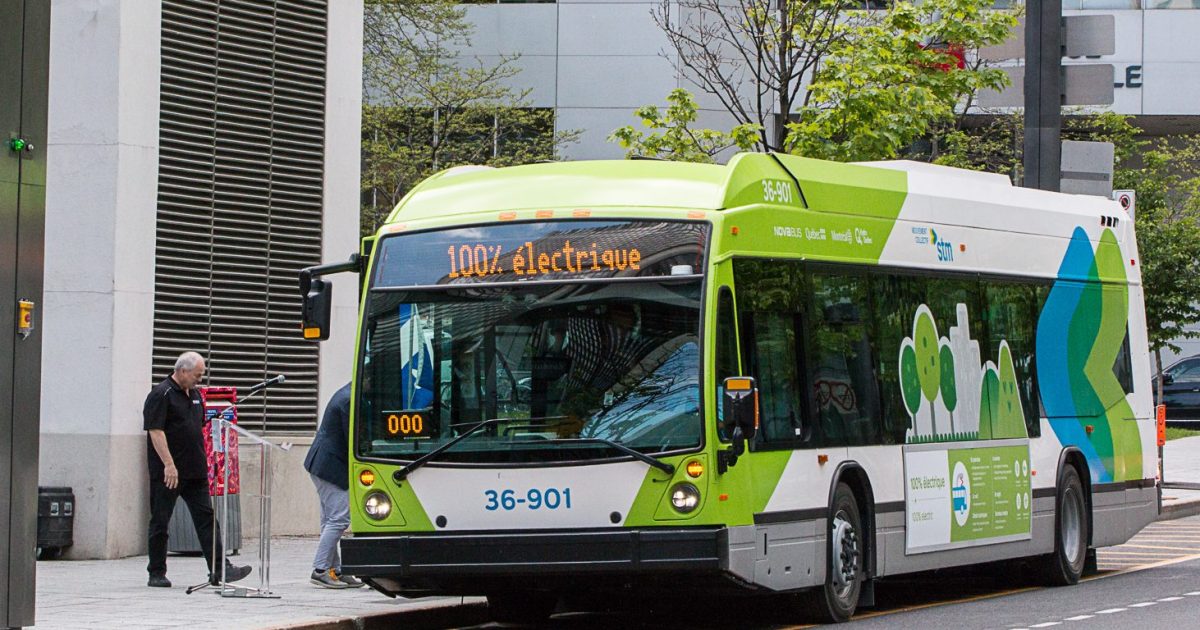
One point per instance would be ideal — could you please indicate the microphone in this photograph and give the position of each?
(265, 384)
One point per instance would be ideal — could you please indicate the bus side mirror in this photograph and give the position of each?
(315, 311)
(739, 412)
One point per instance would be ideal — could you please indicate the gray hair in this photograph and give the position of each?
(187, 361)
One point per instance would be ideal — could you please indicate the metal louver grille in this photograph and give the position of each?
(241, 168)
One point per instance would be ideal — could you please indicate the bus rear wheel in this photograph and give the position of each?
(1065, 566)
(521, 606)
(836, 601)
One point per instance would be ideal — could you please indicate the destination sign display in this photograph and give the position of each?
(542, 251)
(406, 424)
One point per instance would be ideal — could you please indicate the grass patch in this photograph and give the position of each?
(1174, 433)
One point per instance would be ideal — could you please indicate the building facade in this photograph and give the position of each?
(200, 152)
(596, 62)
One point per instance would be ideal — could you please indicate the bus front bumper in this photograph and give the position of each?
(475, 563)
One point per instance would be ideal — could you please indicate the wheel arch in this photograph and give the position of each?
(1072, 456)
(855, 476)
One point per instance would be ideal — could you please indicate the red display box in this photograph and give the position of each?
(223, 401)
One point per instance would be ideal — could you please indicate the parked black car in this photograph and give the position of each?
(1181, 389)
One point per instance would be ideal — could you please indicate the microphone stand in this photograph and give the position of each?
(221, 427)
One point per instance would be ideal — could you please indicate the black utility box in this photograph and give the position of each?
(56, 521)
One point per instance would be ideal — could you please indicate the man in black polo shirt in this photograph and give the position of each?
(173, 418)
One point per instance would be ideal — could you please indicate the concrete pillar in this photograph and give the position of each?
(99, 287)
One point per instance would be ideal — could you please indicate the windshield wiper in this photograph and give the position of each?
(657, 463)
(401, 474)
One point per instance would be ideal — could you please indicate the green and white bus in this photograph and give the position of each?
(778, 376)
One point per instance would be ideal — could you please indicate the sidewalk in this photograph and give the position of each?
(1181, 476)
(103, 594)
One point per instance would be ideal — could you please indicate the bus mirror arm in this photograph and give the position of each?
(727, 458)
(317, 296)
(355, 264)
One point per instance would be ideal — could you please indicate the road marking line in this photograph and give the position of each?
(975, 598)
(1193, 593)
(1142, 604)
(1170, 599)
(1161, 547)
(1110, 611)
(1143, 567)
(1080, 617)
(1046, 625)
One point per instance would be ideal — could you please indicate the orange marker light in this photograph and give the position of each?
(508, 216)
(312, 333)
(367, 477)
(722, 497)
(822, 459)
(734, 230)
(695, 468)
(962, 247)
(737, 384)
(1088, 429)
(696, 214)
(581, 213)
(544, 214)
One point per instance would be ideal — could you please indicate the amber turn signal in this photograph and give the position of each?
(695, 468)
(367, 477)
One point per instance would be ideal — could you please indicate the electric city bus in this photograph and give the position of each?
(779, 376)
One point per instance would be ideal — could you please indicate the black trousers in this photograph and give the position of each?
(194, 492)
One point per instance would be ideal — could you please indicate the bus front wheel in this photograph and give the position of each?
(836, 601)
(1066, 564)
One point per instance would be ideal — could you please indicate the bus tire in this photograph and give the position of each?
(1065, 566)
(837, 599)
(525, 607)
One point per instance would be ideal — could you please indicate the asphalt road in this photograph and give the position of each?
(1153, 581)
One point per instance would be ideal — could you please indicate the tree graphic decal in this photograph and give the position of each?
(937, 372)
(949, 385)
(925, 339)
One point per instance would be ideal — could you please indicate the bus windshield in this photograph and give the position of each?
(565, 368)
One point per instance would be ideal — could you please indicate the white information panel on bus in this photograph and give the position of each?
(966, 494)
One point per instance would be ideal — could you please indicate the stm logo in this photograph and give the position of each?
(929, 236)
(945, 249)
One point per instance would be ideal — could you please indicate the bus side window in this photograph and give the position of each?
(894, 301)
(1010, 320)
(843, 384)
(726, 360)
(773, 342)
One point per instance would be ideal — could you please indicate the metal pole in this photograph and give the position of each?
(1043, 95)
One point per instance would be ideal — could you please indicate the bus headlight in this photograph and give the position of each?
(377, 506)
(685, 497)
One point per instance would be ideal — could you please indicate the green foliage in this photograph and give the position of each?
(881, 87)
(1168, 228)
(1174, 433)
(425, 108)
(879, 79)
(672, 137)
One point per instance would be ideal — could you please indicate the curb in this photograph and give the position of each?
(1179, 509)
(453, 613)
